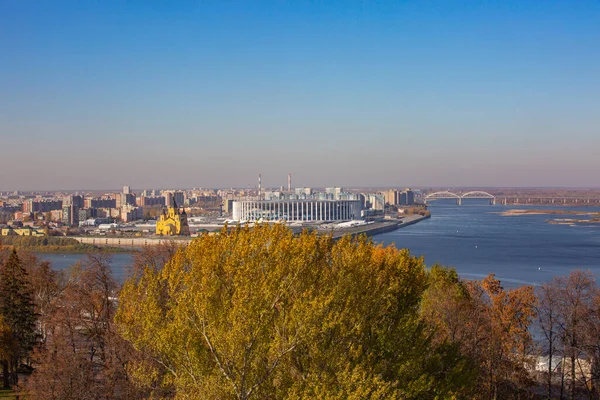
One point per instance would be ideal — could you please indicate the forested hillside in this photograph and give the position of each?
(263, 314)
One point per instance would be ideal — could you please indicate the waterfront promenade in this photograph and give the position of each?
(377, 228)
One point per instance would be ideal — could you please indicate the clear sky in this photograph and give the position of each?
(98, 94)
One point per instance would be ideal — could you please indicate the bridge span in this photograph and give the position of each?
(476, 194)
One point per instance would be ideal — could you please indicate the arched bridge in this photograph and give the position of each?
(476, 194)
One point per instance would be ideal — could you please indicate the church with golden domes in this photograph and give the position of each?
(172, 222)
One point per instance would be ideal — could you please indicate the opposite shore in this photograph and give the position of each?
(94, 244)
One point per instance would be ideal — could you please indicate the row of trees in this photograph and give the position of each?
(569, 325)
(263, 314)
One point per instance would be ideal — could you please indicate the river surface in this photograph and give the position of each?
(120, 262)
(476, 240)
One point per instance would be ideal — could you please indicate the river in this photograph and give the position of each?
(120, 262)
(476, 240)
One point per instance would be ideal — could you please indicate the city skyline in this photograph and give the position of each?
(186, 94)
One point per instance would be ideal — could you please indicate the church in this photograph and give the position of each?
(172, 222)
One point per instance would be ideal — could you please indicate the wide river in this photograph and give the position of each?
(476, 240)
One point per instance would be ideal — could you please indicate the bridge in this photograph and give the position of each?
(477, 194)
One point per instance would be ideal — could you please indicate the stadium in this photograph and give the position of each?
(296, 210)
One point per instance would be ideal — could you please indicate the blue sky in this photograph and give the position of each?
(209, 94)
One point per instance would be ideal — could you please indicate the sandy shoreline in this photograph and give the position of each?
(512, 213)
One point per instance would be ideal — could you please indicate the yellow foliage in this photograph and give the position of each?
(261, 313)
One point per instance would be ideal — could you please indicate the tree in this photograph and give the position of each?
(17, 311)
(83, 356)
(261, 313)
(591, 338)
(46, 286)
(549, 324)
(489, 325)
(576, 296)
(509, 343)
(154, 256)
(6, 350)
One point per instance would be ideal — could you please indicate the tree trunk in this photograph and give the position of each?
(15, 372)
(5, 374)
(594, 378)
(550, 353)
(572, 376)
(562, 379)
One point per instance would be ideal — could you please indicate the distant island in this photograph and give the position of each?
(595, 216)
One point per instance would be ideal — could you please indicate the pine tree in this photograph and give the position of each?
(18, 314)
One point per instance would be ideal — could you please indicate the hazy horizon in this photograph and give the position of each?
(352, 94)
(399, 187)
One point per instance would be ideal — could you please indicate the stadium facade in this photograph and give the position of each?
(296, 210)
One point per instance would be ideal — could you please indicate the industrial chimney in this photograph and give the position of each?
(259, 186)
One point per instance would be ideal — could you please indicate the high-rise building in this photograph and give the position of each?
(334, 192)
(124, 199)
(174, 198)
(304, 191)
(73, 199)
(37, 205)
(126, 189)
(70, 215)
(391, 197)
(84, 214)
(228, 205)
(131, 213)
(147, 201)
(377, 201)
(407, 198)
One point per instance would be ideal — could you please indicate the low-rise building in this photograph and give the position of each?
(24, 231)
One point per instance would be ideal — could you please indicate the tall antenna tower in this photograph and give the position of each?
(259, 186)
(289, 182)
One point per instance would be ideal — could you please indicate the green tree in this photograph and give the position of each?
(17, 311)
(260, 313)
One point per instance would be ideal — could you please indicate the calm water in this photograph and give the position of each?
(475, 240)
(120, 262)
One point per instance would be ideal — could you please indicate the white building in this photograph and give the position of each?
(296, 210)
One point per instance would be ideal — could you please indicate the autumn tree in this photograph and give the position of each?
(510, 345)
(83, 356)
(17, 311)
(591, 338)
(549, 323)
(575, 297)
(261, 313)
(489, 325)
(153, 256)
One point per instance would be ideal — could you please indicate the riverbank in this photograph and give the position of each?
(135, 243)
(378, 228)
(54, 244)
(130, 243)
